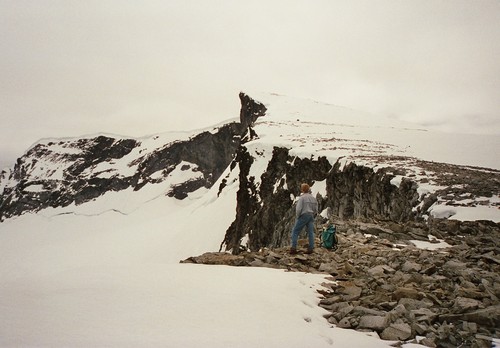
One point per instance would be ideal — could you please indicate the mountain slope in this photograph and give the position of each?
(93, 228)
(58, 173)
(73, 171)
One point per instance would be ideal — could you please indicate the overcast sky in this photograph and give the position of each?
(134, 68)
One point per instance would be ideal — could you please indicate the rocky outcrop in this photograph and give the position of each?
(212, 153)
(359, 192)
(441, 298)
(250, 110)
(265, 212)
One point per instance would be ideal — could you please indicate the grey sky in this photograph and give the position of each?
(139, 67)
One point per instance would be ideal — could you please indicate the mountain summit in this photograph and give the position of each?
(362, 165)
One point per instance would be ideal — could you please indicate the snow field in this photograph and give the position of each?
(114, 280)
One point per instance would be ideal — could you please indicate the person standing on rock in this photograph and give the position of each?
(305, 211)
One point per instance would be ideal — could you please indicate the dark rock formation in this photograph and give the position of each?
(250, 110)
(359, 192)
(212, 153)
(265, 213)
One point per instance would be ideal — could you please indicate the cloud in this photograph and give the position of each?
(136, 68)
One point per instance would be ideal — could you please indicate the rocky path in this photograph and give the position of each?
(379, 281)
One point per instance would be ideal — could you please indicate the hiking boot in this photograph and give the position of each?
(293, 251)
(309, 251)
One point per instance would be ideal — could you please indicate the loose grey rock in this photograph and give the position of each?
(372, 322)
(404, 292)
(396, 332)
(366, 287)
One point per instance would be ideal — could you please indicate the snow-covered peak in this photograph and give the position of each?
(286, 108)
(313, 128)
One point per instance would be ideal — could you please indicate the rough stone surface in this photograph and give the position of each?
(396, 332)
(373, 322)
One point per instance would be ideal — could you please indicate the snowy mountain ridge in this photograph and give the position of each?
(57, 173)
(86, 168)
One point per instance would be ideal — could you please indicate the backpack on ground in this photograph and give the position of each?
(329, 237)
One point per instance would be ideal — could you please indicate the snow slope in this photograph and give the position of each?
(107, 272)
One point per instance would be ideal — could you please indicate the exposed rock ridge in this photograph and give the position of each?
(250, 110)
(360, 192)
(265, 212)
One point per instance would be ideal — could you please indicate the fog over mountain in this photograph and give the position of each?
(134, 68)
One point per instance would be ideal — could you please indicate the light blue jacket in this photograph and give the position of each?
(307, 204)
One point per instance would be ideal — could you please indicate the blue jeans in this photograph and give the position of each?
(303, 220)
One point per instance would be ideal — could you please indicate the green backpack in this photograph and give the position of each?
(329, 237)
